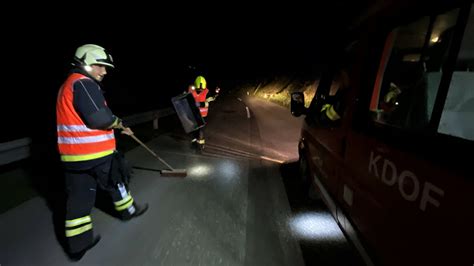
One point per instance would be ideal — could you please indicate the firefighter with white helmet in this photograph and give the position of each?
(86, 144)
(91, 54)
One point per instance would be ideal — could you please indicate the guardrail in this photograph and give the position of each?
(147, 116)
(21, 148)
(15, 150)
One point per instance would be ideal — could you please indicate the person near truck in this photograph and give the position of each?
(86, 143)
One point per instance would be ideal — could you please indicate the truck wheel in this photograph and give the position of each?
(304, 171)
(309, 188)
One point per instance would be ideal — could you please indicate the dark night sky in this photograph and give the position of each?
(152, 46)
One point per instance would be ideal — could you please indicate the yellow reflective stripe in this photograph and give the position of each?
(201, 141)
(332, 114)
(326, 106)
(390, 95)
(77, 231)
(124, 206)
(122, 201)
(76, 158)
(78, 221)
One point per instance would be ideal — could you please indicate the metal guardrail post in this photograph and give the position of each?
(155, 120)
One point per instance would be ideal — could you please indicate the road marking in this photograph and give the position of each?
(239, 99)
(271, 159)
(248, 112)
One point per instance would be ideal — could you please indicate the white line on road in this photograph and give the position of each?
(239, 99)
(248, 112)
(271, 159)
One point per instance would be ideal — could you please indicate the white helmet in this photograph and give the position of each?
(91, 54)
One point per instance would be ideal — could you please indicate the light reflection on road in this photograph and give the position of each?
(315, 226)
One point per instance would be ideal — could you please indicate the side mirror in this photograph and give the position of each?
(297, 104)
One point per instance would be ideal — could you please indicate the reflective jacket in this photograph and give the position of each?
(332, 109)
(201, 102)
(76, 141)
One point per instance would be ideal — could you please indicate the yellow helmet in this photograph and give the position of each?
(91, 54)
(200, 83)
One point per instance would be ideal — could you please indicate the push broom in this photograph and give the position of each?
(165, 172)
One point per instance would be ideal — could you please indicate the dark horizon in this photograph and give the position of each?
(153, 54)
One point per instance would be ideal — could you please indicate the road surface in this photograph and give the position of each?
(239, 205)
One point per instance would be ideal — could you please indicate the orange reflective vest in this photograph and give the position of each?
(200, 99)
(76, 141)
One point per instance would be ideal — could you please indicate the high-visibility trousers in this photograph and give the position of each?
(81, 187)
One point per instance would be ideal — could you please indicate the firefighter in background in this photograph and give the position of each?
(202, 98)
(390, 100)
(85, 134)
(333, 107)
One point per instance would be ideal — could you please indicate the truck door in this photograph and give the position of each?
(326, 125)
(409, 179)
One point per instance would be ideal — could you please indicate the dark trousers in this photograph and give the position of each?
(81, 187)
(198, 135)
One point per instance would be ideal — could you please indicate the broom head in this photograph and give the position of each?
(174, 173)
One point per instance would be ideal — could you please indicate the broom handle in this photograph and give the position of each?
(152, 152)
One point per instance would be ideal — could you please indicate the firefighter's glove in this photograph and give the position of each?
(211, 99)
(125, 130)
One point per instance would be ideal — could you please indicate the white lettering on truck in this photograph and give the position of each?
(408, 183)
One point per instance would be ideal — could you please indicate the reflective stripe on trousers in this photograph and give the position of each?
(78, 226)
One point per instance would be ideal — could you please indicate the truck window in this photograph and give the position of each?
(332, 104)
(410, 72)
(329, 104)
(457, 118)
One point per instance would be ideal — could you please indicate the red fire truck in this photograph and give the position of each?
(387, 144)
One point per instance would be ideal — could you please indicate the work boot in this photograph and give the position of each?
(200, 145)
(139, 210)
(76, 256)
(194, 144)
